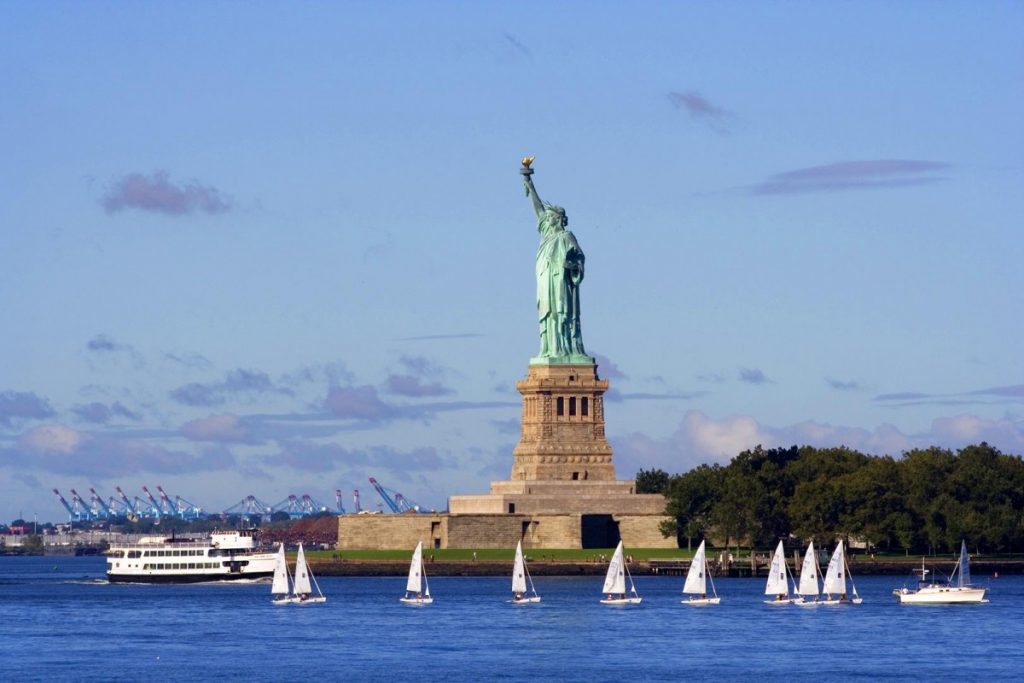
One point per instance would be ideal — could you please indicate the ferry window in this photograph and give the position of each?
(148, 553)
(132, 554)
(584, 405)
(191, 565)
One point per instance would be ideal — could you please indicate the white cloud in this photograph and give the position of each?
(224, 428)
(703, 439)
(52, 439)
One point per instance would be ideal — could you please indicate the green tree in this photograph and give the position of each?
(691, 497)
(652, 481)
(32, 544)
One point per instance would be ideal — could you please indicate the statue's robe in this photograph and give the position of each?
(560, 263)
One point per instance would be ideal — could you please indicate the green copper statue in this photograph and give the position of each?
(559, 274)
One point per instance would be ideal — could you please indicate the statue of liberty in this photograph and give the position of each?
(559, 274)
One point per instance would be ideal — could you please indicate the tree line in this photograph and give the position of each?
(927, 500)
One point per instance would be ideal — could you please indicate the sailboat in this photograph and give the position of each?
(960, 592)
(417, 590)
(808, 587)
(279, 593)
(835, 580)
(520, 577)
(697, 579)
(615, 582)
(303, 588)
(778, 579)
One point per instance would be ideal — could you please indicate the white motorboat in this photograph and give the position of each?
(521, 593)
(958, 590)
(697, 579)
(417, 590)
(615, 582)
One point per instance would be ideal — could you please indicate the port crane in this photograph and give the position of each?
(355, 501)
(153, 504)
(340, 507)
(126, 503)
(179, 507)
(77, 511)
(92, 510)
(97, 504)
(395, 501)
(250, 505)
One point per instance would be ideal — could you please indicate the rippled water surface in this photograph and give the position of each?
(60, 620)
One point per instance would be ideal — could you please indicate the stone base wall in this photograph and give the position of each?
(397, 532)
(643, 531)
(580, 502)
(391, 532)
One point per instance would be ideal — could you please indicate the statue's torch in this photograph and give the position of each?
(526, 170)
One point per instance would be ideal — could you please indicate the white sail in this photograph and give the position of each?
(302, 585)
(615, 579)
(963, 578)
(809, 573)
(696, 579)
(835, 575)
(777, 583)
(519, 571)
(280, 585)
(414, 584)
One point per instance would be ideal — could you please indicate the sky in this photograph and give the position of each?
(275, 249)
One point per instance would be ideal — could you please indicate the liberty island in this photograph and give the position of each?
(562, 491)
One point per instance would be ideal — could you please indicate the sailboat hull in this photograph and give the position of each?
(700, 602)
(829, 602)
(417, 601)
(621, 601)
(312, 600)
(532, 600)
(804, 602)
(779, 603)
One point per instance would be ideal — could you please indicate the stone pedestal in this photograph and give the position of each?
(563, 488)
(562, 437)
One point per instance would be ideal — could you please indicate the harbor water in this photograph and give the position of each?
(60, 620)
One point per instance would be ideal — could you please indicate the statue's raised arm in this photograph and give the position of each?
(531, 191)
(559, 274)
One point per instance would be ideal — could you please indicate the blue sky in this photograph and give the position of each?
(265, 248)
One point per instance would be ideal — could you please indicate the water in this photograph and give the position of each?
(71, 625)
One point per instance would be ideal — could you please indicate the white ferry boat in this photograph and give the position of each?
(224, 555)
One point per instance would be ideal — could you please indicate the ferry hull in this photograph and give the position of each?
(186, 578)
